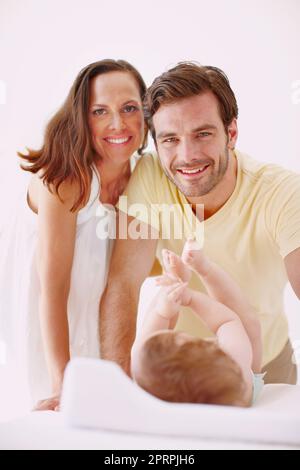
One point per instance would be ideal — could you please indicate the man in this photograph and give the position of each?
(251, 215)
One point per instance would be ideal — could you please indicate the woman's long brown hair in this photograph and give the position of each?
(67, 152)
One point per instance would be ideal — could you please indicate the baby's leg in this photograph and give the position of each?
(217, 282)
(224, 289)
(231, 334)
(173, 265)
(213, 313)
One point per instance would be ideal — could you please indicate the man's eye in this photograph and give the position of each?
(99, 112)
(169, 140)
(204, 134)
(129, 109)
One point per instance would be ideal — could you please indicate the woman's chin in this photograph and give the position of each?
(119, 156)
(116, 154)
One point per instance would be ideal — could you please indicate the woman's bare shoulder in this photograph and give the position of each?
(39, 192)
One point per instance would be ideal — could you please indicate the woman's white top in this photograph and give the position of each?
(20, 288)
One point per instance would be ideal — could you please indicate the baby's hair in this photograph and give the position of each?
(190, 371)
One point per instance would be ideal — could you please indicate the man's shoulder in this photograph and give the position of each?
(149, 162)
(267, 174)
(147, 179)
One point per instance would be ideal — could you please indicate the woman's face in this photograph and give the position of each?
(115, 116)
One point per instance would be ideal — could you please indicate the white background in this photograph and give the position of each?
(44, 44)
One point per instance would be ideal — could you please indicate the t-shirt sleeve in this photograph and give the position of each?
(139, 199)
(285, 215)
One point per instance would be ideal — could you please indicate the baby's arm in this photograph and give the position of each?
(224, 289)
(161, 315)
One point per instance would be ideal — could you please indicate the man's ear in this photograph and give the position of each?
(144, 143)
(232, 133)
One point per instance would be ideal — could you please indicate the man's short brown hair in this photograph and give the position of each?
(189, 79)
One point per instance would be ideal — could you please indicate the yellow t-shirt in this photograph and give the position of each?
(248, 237)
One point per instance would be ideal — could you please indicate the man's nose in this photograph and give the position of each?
(188, 151)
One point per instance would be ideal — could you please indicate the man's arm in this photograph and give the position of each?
(292, 265)
(131, 263)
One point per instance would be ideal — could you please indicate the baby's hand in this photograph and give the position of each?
(167, 279)
(170, 297)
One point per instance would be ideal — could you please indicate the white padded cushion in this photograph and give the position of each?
(98, 394)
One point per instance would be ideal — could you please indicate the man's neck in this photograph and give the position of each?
(215, 199)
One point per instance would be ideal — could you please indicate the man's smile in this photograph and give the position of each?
(190, 173)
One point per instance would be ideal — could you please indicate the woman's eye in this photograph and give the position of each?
(99, 112)
(129, 109)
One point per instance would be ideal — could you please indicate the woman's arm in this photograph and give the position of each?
(56, 241)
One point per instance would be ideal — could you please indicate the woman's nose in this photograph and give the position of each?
(116, 122)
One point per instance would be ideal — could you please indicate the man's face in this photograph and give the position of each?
(192, 143)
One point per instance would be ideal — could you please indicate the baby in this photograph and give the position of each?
(177, 367)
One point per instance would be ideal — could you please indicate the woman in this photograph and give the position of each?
(54, 267)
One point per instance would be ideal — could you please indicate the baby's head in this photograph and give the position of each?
(177, 367)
